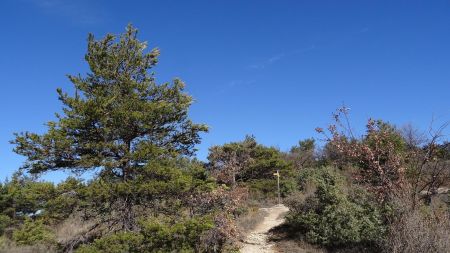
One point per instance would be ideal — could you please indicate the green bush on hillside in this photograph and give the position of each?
(332, 215)
(267, 188)
(33, 232)
(154, 236)
(116, 243)
(5, 221)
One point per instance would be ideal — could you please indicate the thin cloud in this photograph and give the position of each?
(234, 84)
(279, 57)
(268, 62)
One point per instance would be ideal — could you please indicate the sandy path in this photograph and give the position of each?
(256, 241)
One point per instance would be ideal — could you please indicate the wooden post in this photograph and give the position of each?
(278, 186)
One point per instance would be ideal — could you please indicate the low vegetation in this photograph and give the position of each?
(332, 214)
(370, 197)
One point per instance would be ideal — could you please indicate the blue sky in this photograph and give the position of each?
(275, 69)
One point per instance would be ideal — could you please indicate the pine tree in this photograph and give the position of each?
(119, 118)
(120, 123)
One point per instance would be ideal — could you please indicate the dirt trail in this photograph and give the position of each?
(256, 241)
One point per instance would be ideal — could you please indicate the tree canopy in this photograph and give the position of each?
(118, 119)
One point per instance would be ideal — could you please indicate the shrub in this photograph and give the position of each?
(423, 229)
(116, 243)
(160, 235)
(5, 221)
(6, 245)
(379, 154)
(333, 215)
(266, 189)
(66, 198)
(33, 232)
(180, 236)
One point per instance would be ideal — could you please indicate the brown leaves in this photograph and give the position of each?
(222, 202)
(222, 198)
(377, 155)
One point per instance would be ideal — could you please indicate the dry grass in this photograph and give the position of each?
(250, 220)
(27, 249)
(67, 230)
(425, 228)
(8, 246)
(417, 232)
(70, 228)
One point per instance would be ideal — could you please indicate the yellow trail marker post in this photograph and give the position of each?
(278, 185)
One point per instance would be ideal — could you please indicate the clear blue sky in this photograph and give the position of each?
(275, 69)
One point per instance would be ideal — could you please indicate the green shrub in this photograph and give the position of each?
(267, 188)
(66, 199)
(262, 188)
(179, 236)
(33, 232)
(155, 236)
(5, 221)
(116, 243)
(333, 215)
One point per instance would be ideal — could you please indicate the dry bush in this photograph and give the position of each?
(250, 220)
(296, 199)
(223, 237)
(417, 233)
(254, 203)
(71, 228)
(378, 155)
(420, 229)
